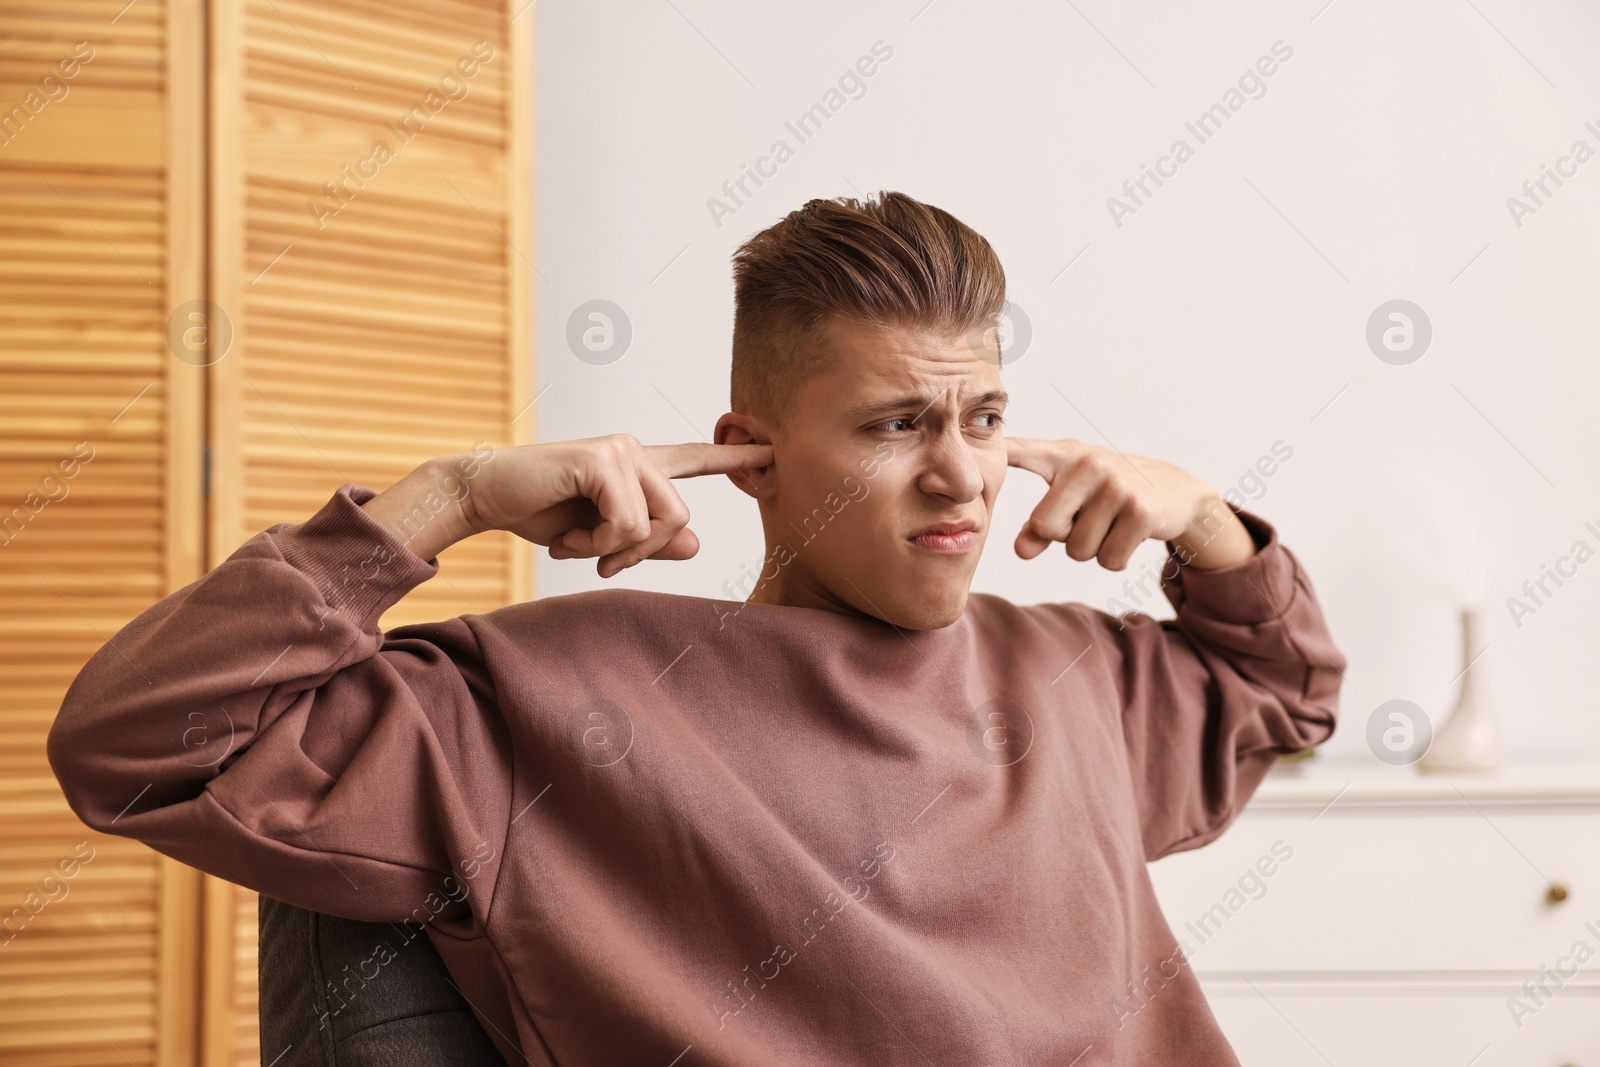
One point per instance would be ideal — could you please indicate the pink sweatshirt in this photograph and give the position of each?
(640, 826)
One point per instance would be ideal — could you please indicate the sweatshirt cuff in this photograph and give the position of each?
(360, 567)
(1250, 592)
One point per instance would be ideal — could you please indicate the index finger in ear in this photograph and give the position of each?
(693, 459)
(1042, 458)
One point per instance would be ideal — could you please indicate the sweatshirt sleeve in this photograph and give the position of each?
(257, 725)
(1245, 673)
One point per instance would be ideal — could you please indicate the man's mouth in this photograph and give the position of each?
(957, 536)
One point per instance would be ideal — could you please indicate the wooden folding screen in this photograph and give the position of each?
(211, 274)
(101, 197)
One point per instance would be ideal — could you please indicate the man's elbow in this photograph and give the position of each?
(63, 749)
(1314, 714)
(76, 750)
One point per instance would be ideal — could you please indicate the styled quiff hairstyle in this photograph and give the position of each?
(890, 262)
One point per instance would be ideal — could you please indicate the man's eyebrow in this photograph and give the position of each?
(920, 404)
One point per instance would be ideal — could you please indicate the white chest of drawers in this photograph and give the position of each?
(1369, 916)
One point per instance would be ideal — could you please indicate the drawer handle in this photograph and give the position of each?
(1556, 893)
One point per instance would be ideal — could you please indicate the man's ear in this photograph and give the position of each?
(735, 428)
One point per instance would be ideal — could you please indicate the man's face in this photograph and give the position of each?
(900, 431)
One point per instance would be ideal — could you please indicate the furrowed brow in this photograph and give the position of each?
(919, 404)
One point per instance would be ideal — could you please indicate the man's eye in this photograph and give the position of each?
(893, 425)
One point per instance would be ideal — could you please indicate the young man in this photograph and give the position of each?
(862, 816)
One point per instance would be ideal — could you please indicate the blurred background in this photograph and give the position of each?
(1336, 258)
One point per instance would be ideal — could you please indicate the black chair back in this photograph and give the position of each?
(342, 993)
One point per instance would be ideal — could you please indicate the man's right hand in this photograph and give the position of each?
(610, 497)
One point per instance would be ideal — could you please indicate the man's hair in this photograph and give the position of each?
(890, 262)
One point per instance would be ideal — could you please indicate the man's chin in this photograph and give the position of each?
(924, 612)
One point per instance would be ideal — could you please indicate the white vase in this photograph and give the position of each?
(1470, 739)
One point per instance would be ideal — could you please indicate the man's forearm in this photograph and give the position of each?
(426, 509)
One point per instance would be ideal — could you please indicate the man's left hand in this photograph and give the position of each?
(1102, 504)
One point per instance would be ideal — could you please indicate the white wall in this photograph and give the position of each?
(1225, 315)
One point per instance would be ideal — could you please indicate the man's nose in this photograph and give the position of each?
(951, 468)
